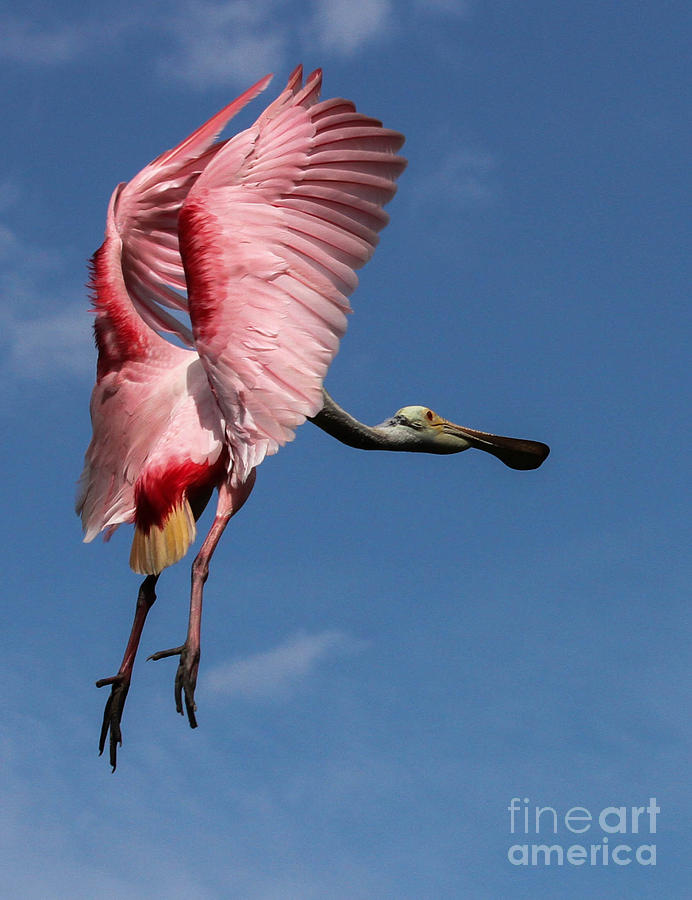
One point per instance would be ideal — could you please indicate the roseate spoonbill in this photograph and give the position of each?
(256, 240)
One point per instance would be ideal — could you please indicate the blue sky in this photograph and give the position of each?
(393, 647)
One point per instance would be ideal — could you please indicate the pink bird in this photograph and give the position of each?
(256, 240)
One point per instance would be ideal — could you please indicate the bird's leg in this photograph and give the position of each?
(230, 501)
(120, 683)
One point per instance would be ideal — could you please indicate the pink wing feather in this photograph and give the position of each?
(271, 235)
(152, 399)
(145, 212)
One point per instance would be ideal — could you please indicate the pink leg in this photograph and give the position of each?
(120, 683)
(230, 501)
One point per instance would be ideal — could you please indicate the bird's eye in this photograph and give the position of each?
(429, 415)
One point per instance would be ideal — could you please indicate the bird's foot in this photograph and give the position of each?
(185, 678)
(120, 685)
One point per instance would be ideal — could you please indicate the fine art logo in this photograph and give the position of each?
(613, 835)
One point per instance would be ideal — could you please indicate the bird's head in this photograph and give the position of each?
(418, 428)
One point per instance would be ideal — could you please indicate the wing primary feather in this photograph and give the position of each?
(207, 132)
(271, 234)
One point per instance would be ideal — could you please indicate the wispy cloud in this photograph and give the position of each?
(463, 176)
(43, 44)
(206, 42)
(346, 26)
(49, 346)
(217, 42)
(44, 332)
(276, 673)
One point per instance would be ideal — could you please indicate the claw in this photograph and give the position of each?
(112, 715)
(185, 679)
(120, 683)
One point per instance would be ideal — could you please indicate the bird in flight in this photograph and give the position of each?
(220, 295)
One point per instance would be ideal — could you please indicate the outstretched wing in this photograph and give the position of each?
(145, 213)
(271, 235)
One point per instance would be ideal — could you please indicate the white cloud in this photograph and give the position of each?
(197, 42)
(206, 42)
(236, 40)
(43, 45)
(218, 42)
(274, 673)
(347, 25)
(49, 346)
(44, 332)
(463, 176)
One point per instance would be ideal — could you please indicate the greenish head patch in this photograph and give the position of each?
(420, 416)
